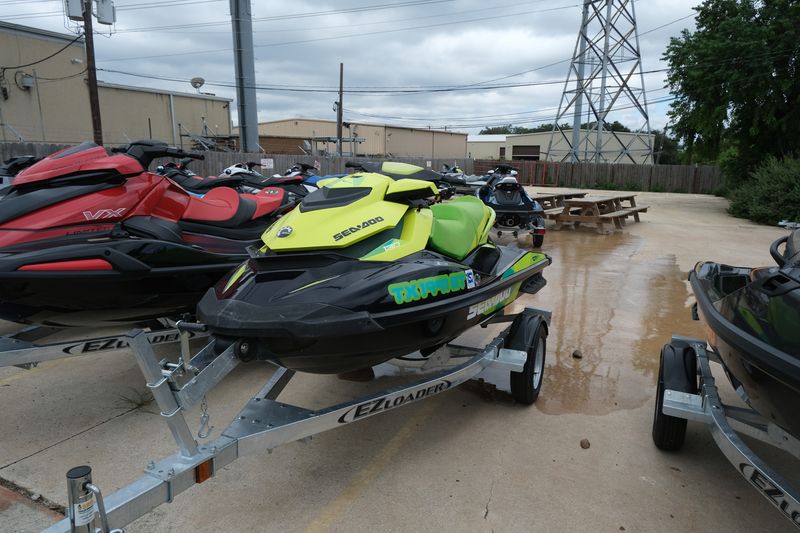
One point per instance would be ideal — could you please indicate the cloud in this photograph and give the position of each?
(419, 43)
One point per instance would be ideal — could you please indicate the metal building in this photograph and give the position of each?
(48, 101)
(533, 146)
(317, 136)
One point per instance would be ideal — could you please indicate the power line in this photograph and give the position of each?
(310, 14)
(63, 77)
(361, 9)
(543, 118)
(494, 8)
(476, 118)
(73, 41)
(138, 6)
(12, 2)
(362, 34)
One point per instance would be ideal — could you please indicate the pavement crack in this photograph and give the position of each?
(65, 439)
(491, 493)
(40, 500)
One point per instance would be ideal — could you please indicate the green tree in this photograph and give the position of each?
(666, 150)
(737, 84)
(607, 126)
(510, 129)
(496, 130)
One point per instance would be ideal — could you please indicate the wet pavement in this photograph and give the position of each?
(460, 461)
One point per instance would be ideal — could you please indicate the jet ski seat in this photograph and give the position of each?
(508, 193)
(222, 206)
(459, 226)
(199, 184)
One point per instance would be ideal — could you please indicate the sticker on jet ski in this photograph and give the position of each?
(487, 306)
(104, 213)
(419, 289)
(358, 227)
(390, 401)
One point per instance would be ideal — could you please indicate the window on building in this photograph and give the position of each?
(525, 152)
(502, 152)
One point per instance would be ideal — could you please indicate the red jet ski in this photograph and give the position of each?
(92, 238)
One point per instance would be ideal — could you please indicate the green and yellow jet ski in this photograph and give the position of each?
(365, 269)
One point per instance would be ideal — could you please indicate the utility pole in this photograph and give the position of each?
(94, 102)
(243, 56)
(339, 110)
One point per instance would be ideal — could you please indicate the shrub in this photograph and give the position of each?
(771, 195)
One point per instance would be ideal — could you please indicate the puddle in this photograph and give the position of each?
(617, 311)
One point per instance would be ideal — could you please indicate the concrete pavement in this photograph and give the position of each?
(460, 461)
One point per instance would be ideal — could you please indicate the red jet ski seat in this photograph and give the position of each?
(226, 208)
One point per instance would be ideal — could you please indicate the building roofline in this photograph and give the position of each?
(582, 130)
(65, 37)
(162, 91)
(374, 124)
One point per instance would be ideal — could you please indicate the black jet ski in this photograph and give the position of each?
(367, 268)
(89, 238)
(516, 210)
(397, 170)
(13, 166)
(752, 319)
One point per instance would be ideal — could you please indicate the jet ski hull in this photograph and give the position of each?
(751, 317)
(108, 283)
(356, 314)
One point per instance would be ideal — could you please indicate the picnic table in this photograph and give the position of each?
(598, 210)
(553, 202)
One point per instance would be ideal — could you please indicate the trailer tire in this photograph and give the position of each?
(528, 334)
(677, 371)
(538, 240)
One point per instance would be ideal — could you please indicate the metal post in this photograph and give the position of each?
(339, 113)
(172, 120)
(81, 503)
(244, 61)
(648, 139)
(39, 102)
(94, 101)
(601, 117)
(162, 393)
(579, 87)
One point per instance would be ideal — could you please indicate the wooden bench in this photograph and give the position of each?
(553, 211)
(618, 217)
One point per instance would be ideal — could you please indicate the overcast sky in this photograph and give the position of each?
(384, 45)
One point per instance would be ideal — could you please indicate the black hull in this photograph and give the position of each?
(341, 335)
(148, 279)
(345, 353)
(88, 300)
(758, 355)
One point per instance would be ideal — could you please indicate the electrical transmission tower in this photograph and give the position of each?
(605, 66)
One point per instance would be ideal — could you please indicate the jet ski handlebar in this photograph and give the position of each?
(790, 251)
(148, 150)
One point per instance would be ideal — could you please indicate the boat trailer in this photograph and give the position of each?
(264, 422)
(23, 349)
(675, 407)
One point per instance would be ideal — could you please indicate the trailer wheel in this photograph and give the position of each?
(529, 335)
(677, 371)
